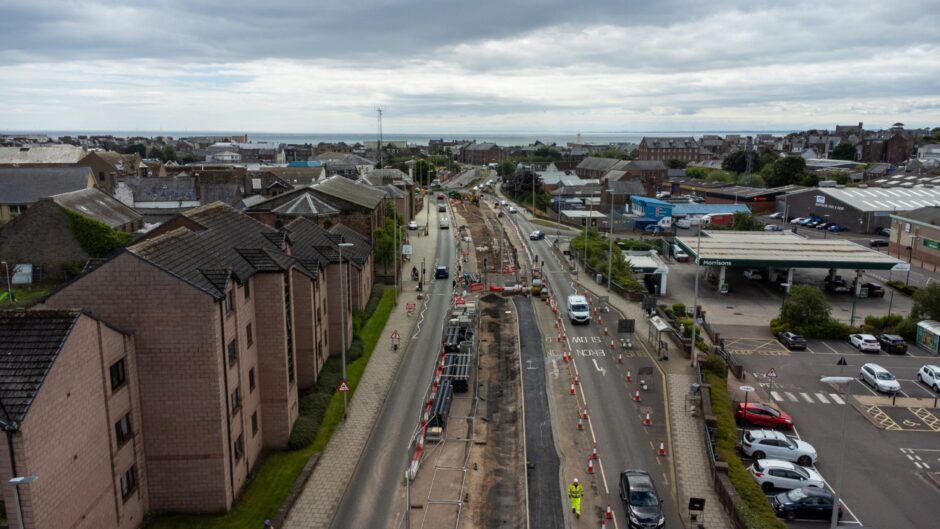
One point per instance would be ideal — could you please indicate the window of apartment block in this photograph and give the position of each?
(251, 379)
(254, 424)
(122, 429)
(236, 401)
(232, 353)
(118, 374)
(249, 335)
(128, 482)
(247, 289)
(230, 301)
(239, 447)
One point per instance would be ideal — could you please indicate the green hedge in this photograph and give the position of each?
(96, 238)
(899, 285)
(824, 330)
(754, 509)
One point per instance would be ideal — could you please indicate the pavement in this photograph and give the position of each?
(354, 464)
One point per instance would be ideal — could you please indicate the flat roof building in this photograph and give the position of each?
(860, 209)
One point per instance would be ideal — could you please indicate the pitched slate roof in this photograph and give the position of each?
(98, 205)
(30, 342)
(26, 185)
(229, 244)
(350, 191)
(678, 142)
(646, 165)
(361, 249)
(480, 146)
(388, 176)
(41, 154)
(302, 202)
(595, 163)
(172, 189)
(312, 241)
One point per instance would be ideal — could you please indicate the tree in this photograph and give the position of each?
(169, 153)
(612, 153)
(505, 168)
(696, 172)
(546, 153)
(787, 171)
(737, 162)
(843, 151)
(139, 148)
(676, 164)
(720, 176)
(744, 221)
(805, 306)
(927, 302)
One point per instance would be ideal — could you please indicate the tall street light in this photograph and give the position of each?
(342, 317)
(698, 272)
(843, 383)
(610, 242)
(16, 482)
(6, 266)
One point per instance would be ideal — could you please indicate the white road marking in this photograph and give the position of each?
(791, 396)
(835, 398)
(599, 368)
(775, 395)
(822, 398)
(830, 348)
(806, 397)
(555, 373)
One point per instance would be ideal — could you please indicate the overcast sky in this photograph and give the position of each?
(467, 65)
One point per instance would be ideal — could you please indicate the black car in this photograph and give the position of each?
(884, 232)
(791, 340)
(892, 343)
(838, 286)
(874, 290)
(441, 272)
(640, 500)
(537, 235)
(805, 503)
(878, 243)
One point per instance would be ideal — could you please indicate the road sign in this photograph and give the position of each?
(771, 373)
(747, 389)
(343, 387)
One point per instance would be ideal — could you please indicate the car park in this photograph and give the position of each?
(805, 503)
(878, 243)
(771, 444)
(413, 225)
(763, 415)
(879, 378)
(441, 272)
(791, 340)
(865, 343)
(774, 474)
(892, 343)
(930, 375)
(640, 500)
(537, 235)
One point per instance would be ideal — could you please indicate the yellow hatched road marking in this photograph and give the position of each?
(882, 418)
(927, 418)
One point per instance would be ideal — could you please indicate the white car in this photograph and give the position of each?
(797, 220)
(879, 378)
(865, 343)
(776, 474)
(777, 215)
(761, 444)
(930, 375)
(751, 273)
(413, 225)
(512, 209)
(772, 227)
(444, 223)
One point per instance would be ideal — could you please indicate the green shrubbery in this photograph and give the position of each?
(806, 312)
(754, 509)
(899, 285)
(891, 324)
(96, 238)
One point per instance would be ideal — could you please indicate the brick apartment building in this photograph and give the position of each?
(72, 417)
(361, 206)
(482, 154)
(227, 324)
(594, 167)
(679, 148)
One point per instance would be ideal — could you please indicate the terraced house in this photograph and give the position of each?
(228, 322)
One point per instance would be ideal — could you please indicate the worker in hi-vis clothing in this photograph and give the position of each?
(575, 490)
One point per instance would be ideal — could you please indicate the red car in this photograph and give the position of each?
(763, 415)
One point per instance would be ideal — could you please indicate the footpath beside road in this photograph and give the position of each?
(316, 505)
(693, 476)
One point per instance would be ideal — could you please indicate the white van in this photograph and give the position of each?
(444, 223)
(679, 254)
(578, 309)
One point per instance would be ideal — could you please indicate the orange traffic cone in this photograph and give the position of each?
(610, 513)
(580, 424)
(573, 392)
(629, 376)
(584, 413)
(577, 380)
(636, 397)
(600, 321)
(590, 466)
(612, 345)
(594, 452)
(605, 331)
(603, 524)
(662, 449)
(648, 421)
(619, 358)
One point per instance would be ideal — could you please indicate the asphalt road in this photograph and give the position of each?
(463, 179)
(377, 481)
(622, 439)
(544, 507)
(883, 487)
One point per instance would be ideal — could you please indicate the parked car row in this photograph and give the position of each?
(883, 381)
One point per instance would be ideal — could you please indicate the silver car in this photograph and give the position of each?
(761, 444)
(776, 474)
(930, 375)
(879, 378)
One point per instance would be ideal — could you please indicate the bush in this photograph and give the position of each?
(823, 330)
(753, 510)
(883, 324)
(678, 308)
(304, 432)
(355, 349)
(96, 238)
(907, 329)
(899, 285)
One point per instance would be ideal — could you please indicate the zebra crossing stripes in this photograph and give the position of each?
(806, 398)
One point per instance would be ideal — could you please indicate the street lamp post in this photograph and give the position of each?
(842, 382)
(6, 266)
(910, 258)
(698, 272)
(16, 482)
(342, 317)
(826, 229)
(610, 242)
(746, 390)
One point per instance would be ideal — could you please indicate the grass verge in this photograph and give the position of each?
(276, 474)
(754, 509)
